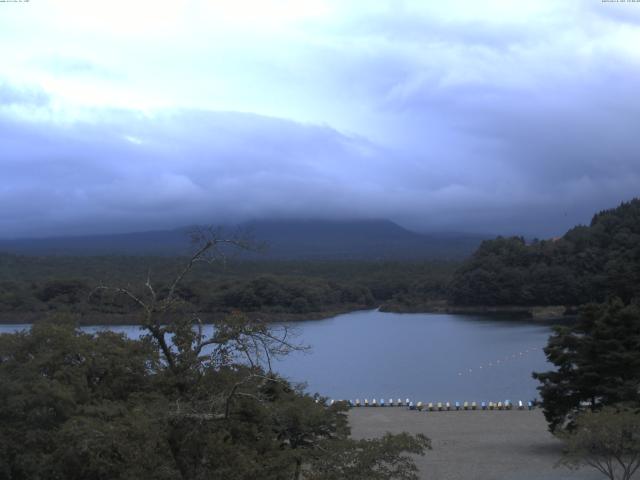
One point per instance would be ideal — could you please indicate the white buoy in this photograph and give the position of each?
(431, 406)
(366, 402)
(374, 403)
(357, 402)
(419, 406)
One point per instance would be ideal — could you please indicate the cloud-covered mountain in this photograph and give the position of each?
(462, 115)
(284, 239)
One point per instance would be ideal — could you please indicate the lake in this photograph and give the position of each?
(425, 357)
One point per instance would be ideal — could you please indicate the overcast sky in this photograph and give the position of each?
(477, 116)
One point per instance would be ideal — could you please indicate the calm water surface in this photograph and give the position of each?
(427, 357)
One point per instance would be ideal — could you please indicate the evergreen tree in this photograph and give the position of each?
(588, 264)
(597, 360)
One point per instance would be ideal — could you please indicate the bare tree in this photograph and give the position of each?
(180, 336)
(607, 440)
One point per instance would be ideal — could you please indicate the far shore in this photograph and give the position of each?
(97, 318)
(535, 313)
(475, 445)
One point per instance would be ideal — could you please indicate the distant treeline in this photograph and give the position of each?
(296, 288)
(588, 264)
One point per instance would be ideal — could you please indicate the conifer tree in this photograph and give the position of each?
(597, 360)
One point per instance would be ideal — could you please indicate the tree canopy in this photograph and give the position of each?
(607, 440)
(588, 264)
(175, 404)
(32, 287)
(597, 362)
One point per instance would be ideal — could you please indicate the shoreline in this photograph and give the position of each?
(119, 319)
(531, 312)
(508, 313)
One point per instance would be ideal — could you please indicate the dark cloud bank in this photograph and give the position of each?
(489, 126)
(129, 172)
(531, 148)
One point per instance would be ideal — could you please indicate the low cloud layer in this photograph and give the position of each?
(497, 121)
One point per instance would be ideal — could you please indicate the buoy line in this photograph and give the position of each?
(439, 406)
(499, 362)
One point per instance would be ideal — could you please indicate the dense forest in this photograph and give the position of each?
(175, 404)
(588, 264)
(31, 286)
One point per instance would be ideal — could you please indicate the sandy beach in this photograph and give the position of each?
(475, 445)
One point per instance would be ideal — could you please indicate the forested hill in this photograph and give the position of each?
(589, 263)
(285, 239)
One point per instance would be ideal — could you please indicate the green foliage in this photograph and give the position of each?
(66, 291)
(588, 264)
(597, 363)
(175, 404)
(607, 440)
(275, 289)
(63, 389)
(377, 459)
(80, 406)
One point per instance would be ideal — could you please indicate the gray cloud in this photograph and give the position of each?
(500, 124)
(132, 171)
(12, 95)
(67, 65)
